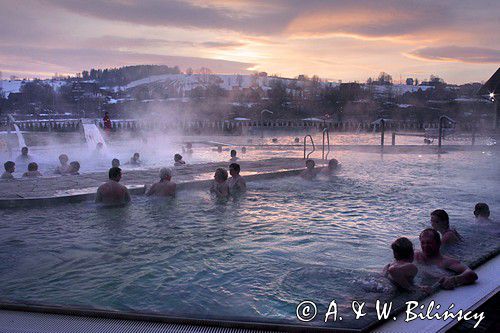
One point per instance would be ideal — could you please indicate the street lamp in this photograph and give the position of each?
(262, 123)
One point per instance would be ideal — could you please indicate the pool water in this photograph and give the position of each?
(255, 257)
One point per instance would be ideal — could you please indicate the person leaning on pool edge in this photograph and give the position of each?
(430, 243)
(111, 192)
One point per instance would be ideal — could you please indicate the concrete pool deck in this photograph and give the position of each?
(51, 189)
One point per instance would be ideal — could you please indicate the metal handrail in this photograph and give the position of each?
(440, 130)
(327, 133)
(314, 147)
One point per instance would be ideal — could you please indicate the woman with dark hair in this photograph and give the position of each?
(440, 222)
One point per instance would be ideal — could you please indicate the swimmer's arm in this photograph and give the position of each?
(98, 196)
(151, 190)
(465, 275)
(403, 276)
(127, 196)
(242, 184)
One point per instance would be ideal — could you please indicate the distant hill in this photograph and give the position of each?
(124, 75)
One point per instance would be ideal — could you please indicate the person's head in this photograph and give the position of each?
(106, 114)
(63, 159)
(99, 146)
(74, 166)
(219, 148)
(115, 174)
(220, 175)
(234, 169)
(482, 210)
(333, 164)
(189, 145)
(115, 163)
(136, 156)
(177, 157)
(165, 174)
(32, 166)
(310, 164)
(24, 151)
(430, 242)
(244, 150)
(233, 153)
(402, 248)
(440, 219)
(9, 166)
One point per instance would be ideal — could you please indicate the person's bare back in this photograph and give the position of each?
(163, 189)
(112, 192)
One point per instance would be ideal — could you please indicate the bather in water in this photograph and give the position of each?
(402, 271)
(74, 168)
(237, 183)
(178, 161)
(233, 158)
(430, 243)
(165, 187)
(10, 167)
(32, 171)
(310, 172)
(112, 192)
(24, 158)
(220, 186)
(440, 221)
(63, 168)
(134, 160)
(482, 213)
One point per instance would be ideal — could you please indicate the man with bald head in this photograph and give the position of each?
(430, 242)
(165, 187)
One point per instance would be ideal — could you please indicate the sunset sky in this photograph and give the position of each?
(336, 40)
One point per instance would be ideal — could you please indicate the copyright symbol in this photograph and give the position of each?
(306, 311)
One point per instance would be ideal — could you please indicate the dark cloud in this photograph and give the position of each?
(458, 54)
(175, 13)
(362, 17)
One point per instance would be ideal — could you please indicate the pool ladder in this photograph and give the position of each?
(326, 139)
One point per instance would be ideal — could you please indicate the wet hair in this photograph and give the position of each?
(235, 166)
(177, 157)
(443, 217)
(435, 235)
(233, 152)
(165, 172)
(310, 161)
(24, 149)
(333, 163)
(402, 248)
(221, 173)
(114, 172)
(481, 209)
(75, 165)
(136, 154)
(63, 157)
(8, 165)
(115, 162)
(32, 166)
